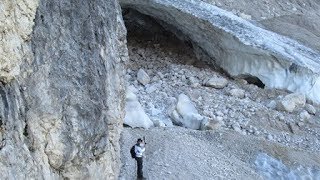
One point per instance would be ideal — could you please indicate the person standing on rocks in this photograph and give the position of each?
(139, 150)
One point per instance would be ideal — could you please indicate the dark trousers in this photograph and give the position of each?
(139, 166)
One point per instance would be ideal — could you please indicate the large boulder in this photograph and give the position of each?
(185, 114)
(238, 46)
(291, 102)
(62, 114)
(135, 114)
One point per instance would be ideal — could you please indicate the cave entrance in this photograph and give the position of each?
(170, 61)
(148, 40)
(252, 80)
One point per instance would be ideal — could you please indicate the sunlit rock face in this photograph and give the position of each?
(61, 116)
(16, 22)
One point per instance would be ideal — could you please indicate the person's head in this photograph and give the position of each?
(139, 141)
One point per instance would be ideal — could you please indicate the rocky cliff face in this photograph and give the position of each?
(61, 116)
(16, 22)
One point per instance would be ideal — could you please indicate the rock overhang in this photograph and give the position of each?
(238, 46)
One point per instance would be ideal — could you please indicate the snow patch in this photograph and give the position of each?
(272, 168)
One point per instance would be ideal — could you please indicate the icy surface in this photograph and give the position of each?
(238, 46)
(135, 114)
(273, 169)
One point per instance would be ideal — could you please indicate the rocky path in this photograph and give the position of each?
(179, 154)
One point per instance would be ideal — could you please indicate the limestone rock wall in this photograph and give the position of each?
(61, 117)
(16, 22)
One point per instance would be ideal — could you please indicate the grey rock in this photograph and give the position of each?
(311, 109)
(270, 137)
(16, 22)
(293, 127)
(291, 102)
(216, 82)
(152, 88)
(236, 127)
(193, 81)
(239, 93)
(66, 123)
(272, 104)
(143, 77)
(304, 115)
(211, 124)
(245, 16)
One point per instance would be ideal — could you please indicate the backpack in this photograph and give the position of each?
(132, 152)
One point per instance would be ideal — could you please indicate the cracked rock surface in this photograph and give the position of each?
(62, 116)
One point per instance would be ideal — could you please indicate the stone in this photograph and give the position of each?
(239, 93)
(245, 16)
(161, 76)
(16, 23)
(269, 137)
(70, 54)
(216, 82)
(236, 127)
(185, 114)
(250, 49)
(272, 104)
(300, 124)
(311, 109)
(291, 102)
(153, 111)
(194, 82)
(304, 115)
(293, 127)
(219, 118)
(158, 123)
(143, 77)
(211, 124)
(152, 88)
(135, 115)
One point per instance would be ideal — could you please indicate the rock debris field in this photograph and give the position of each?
(201, 124)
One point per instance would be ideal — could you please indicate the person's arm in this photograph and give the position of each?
(136, 149)
(143, 149)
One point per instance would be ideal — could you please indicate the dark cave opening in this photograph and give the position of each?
(145, 31)
(253, 80)
(150, 31)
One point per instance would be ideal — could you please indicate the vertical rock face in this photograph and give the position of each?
(62, 116)
(16, 21)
